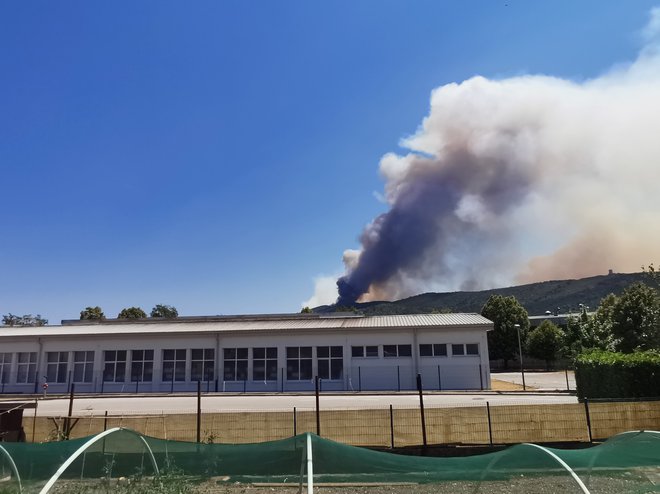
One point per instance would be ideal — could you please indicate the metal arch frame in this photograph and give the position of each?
(51, 482)
(545, 450)
(13, 467)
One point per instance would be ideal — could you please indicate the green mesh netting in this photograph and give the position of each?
(628, 462)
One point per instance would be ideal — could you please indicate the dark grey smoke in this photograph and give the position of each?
(412, 237)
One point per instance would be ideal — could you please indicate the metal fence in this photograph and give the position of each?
(481, 424)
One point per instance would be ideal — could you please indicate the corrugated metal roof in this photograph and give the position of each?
(255, 324)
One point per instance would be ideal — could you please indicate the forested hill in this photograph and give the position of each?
(565, 295)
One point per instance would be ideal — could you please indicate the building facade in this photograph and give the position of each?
(272, 353)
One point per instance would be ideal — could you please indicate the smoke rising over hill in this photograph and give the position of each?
(519, 180)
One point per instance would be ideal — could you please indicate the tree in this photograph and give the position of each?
(132, 313)
(92, 313)
(25, 320)
(590, 331)
(505, 312)
(545, 343)
(636, 319)
(306, 310)
(165, 311)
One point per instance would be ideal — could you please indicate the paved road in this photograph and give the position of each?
(147, 405)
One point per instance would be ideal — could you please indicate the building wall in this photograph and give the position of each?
(397, 371)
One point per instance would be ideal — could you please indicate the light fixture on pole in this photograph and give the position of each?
(520, 355)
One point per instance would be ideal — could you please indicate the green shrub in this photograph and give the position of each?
(603, 374)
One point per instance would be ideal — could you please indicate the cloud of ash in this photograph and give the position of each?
(519, 180)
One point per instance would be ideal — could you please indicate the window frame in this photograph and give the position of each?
(60, 366)
(398, 347)
(142, 365)
(115, 363)
(333, 361)
(86, 366)
(435, 350)
(269, 362)
(298, 363)
(6, 360)
(29, 367)
(176, 365)
(206, 364)
(364, 351)
(237, 365)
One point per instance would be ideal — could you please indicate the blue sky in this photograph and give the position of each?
(219, 155)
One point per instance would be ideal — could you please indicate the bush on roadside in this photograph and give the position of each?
(603, 374)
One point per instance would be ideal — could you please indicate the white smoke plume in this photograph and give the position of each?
(518, 180)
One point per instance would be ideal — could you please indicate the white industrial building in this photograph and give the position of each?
(270, 353)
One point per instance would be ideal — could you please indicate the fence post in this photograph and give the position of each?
(481, 378)
(282, 378)
(295, 425)
(172, 385)
(490, 425)
(216, 385)
(568, 386)
(137, 383)
(421, 407)
(439, 379)
(586, 411)
(105, 421)
(199, 411)
(67, 427)
(244, 385)
(359, 378)
(318, 416)
(398, 378)
(391, 427)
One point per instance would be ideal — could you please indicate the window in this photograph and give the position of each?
(114, 370)
(142, 365)
(299, 363)
(264, 364)
(465, 349)
(397, 350)
(330, 361)
(202, 365)
(57, 366)
(5, 366)
(365, 351)
(27, 367)
(435, 350)
(236, 364)
(472, 348)
(83, 367)
(174, 365)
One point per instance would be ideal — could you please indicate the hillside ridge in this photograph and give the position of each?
(556, 295)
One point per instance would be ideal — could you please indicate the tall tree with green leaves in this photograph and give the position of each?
(165, 311)
(545, 343)
(132, 313)
(506, 313)
(636, 319)
(92, 313)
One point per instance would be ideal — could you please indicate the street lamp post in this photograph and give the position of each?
(520, 355)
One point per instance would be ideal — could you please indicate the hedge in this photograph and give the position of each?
(601, 374)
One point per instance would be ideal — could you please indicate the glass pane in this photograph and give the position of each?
(168, 354)
(52, 357)
(292, 352)
(357, 351)
(148, 355)
(197, 354)
(137, 354)
(389, 350)
(242, 353)
(180, 370)
(322, 351)
(241, 370)
(196, 371)
(306, 369)
(405, 350)
(259, 370)
(271, 370)
(324, 369)
(336, 368)
(292, 370)
(440, 350)
(121, 355)
(472, 349)
(457, 350)
(425, 351)
(230, 353)
(337, 351)
(78, 372)
(79, 356)
(306, 351)
(181, 355)
(271, 352)
(209, 353)
(372, 351)
(259, 353)
(229, 371)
